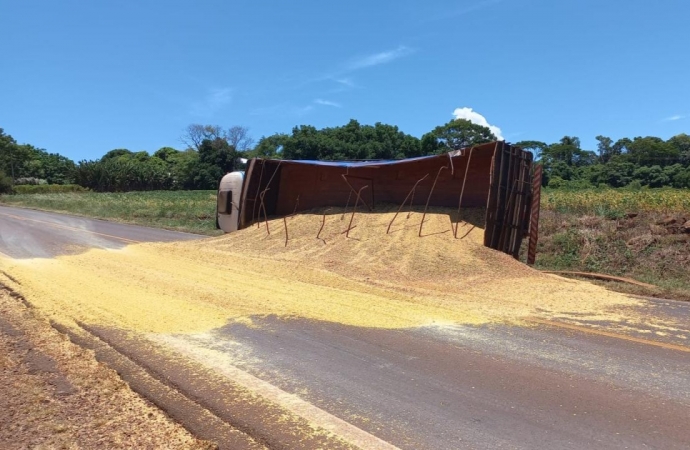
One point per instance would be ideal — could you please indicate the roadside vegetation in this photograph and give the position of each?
(639, 234)
(190, 211)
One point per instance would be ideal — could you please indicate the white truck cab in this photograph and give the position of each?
(228, 206)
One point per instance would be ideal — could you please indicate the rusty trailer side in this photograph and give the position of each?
(496, 175)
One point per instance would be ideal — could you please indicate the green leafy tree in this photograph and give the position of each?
(167, 154)
(682, 179)
(605, 148)
(12, 155)
(674, 175)
(122, 170)
(653, 176)
(649, 151)
(621, 146)
(5, 183)
(185, 169)
(118, 152)
(55, 168)
(269, 147)
(617, 172)
(681, 143)
(205, 168)
(349, 142)
(461, 133)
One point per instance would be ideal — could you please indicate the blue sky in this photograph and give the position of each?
(81, 78)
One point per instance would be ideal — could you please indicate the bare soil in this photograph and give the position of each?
(55, 395)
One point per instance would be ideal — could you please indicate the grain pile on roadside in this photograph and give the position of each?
(369, 279)
(54, 394)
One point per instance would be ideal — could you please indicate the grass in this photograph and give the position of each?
(48, 188)
(191, 211)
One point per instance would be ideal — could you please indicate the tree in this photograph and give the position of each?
(681, 143)
(621, 146)
(461, 133)
(11, 155)
(349, 142)
(605, 148)
(430, 145)
(55, 168)
(562, 151)
(215, 159)
(269, 147)
(5, 183)
(184, 170)
(653, 176)
(648, 151)
(166, 154)
(196, 133)
(238, 138)
(682, 179)
(617, 172)
(116, 153)
(127, 172)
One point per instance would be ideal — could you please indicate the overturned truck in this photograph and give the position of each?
(496, 176)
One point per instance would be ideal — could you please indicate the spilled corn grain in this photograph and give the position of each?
(369, 279)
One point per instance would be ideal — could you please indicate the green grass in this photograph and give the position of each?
(191, 211)
(48, 188)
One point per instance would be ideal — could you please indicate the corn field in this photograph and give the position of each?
(613, 202)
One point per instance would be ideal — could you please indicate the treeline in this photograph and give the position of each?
(379, 141)
(26, 164)
(642, 161)
(212, 151)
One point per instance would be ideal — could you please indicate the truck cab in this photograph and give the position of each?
(228, 201)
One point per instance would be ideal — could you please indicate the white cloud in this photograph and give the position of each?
(214, 100)
(378, 58)
(674, 118)
(345, 82)
(323, 102)
(474, 117)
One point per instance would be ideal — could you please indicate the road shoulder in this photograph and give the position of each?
(54, 394)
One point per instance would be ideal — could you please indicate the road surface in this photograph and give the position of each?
(26, 233)
(538, 385)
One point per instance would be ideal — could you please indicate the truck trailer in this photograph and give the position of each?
(496, 175)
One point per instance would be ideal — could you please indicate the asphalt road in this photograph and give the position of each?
(513, 387)
(26, 233)
(539, 385)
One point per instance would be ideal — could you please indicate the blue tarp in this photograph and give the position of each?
(353, 163)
